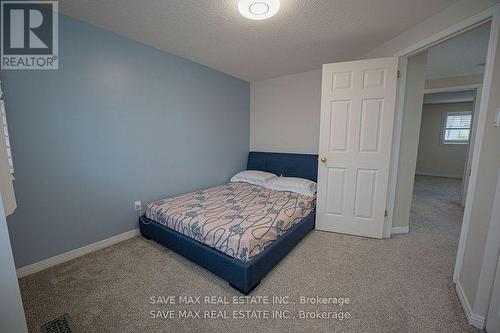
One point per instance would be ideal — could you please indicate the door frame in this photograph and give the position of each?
(492, 15)
(470, 146)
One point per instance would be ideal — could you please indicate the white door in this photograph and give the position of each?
(358, 101)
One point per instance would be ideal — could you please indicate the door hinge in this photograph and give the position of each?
(398, 75)
(385, 213)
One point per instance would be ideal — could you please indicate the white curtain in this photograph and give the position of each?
(6, 177)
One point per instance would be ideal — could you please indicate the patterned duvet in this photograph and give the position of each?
(238, 219)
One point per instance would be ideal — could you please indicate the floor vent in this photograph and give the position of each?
(58, 325)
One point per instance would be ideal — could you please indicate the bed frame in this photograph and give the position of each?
(244, 277)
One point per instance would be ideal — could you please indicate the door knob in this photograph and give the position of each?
(323, 159)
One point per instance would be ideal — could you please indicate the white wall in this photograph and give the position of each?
(284, 113)
(434, 157)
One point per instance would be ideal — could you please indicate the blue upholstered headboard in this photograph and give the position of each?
(288, 165)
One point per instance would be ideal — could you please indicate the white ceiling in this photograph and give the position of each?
(302, 36)
(460, 55)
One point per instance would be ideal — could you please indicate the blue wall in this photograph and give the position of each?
(118, 122)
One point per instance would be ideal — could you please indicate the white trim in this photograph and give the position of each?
(396, 146)
(400, 230)
(59, 259)
(449, 101)
(478, 141)
(473, 319)
(433, 174)
(453, 89)
(450, 32)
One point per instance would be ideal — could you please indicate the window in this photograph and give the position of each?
(456, 127)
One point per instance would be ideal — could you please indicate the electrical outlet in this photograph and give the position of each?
(138, 206)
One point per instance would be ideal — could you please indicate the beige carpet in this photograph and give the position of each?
(398, 285)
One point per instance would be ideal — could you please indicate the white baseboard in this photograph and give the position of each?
(400, 230)
(418, 173)
(473, 319)
(59, 259)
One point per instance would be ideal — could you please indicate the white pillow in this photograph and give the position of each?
(291, 184)
(254, 177)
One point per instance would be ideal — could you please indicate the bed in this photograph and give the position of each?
(238, 231)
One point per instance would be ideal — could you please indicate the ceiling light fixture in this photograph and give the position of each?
(258, 9)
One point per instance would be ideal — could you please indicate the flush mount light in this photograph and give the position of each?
(259, 9)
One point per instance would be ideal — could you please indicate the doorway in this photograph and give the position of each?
(482, 124)
(446, 128)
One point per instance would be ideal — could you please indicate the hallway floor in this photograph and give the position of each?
(436, 213)
(402, 284)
